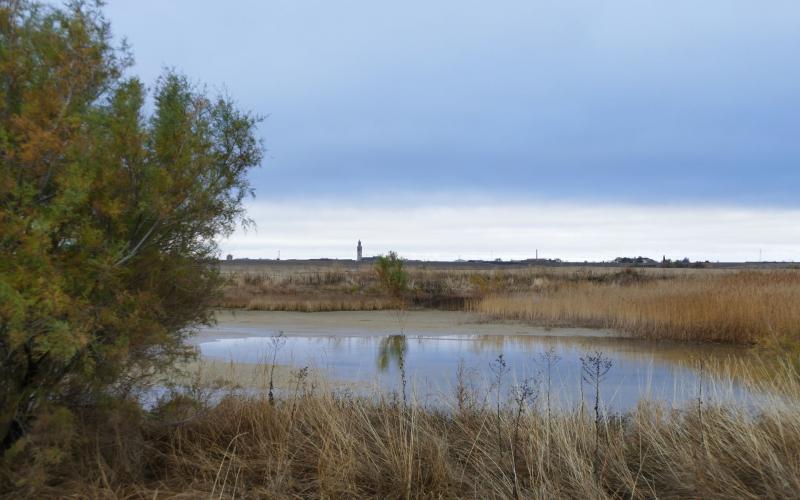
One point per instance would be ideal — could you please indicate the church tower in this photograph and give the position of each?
(358, 251)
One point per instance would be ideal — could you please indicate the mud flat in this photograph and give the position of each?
(238, 323)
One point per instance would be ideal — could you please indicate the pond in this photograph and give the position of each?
(363, 349)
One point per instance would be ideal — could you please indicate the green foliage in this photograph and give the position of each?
(108, 216)
(392, 275)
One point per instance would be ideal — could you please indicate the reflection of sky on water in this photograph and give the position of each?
(640, 368)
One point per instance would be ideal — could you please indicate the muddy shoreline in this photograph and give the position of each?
(236, 323)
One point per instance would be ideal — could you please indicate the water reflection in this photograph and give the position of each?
(429, 364)
(392, 348)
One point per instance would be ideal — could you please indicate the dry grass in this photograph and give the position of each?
(752, 306)
(742, 307)
(306, 291)
(341, 290)
(356, 288)
(325, 446)
(299, 303)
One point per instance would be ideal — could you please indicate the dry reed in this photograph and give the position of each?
(336, 288)
(742, 307)
(326, 446)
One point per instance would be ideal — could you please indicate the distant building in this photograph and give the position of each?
(229, 257)
(359, 251)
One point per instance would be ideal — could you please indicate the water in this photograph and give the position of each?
(367, 360)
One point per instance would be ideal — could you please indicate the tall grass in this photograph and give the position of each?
(742, 307)
(325, 445)
(753, 306)
(337, 288)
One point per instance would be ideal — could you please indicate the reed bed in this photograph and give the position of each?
(345, 290)
(358, 288)
(714, 305)
(742, 307)
(314, 303)
(324, 444)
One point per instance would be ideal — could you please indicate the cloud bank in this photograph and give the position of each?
(570, 231)
(627, 101)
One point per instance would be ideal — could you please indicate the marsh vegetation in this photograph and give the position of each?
(735, 306)
(321, 442)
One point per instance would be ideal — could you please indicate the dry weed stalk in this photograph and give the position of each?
(334, 445)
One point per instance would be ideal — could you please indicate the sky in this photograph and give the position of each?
(587, 129)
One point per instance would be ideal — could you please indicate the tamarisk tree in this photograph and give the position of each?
(109, 211)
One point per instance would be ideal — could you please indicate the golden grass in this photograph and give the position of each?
(315, 304)
(325, 446)
(751, 306)
(335, 288)
(304, 291)
(742, 307)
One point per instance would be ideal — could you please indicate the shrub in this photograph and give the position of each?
(107, 216)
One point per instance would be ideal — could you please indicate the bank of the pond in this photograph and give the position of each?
(323, 445)
(315, 440)
(238, 322)
(749, 307)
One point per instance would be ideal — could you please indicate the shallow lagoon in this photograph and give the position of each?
(364, 350)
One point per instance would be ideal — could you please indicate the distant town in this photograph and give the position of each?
(638, 261)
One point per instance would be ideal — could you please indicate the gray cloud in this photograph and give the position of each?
(612, 101)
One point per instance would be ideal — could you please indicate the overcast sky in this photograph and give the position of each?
(415, 115)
